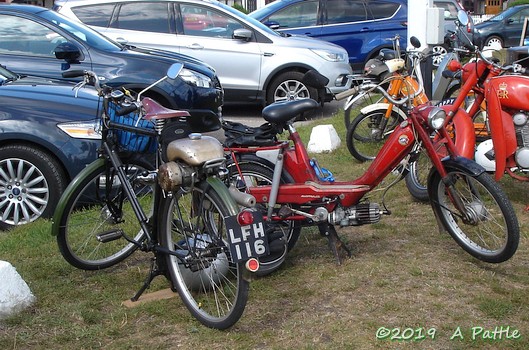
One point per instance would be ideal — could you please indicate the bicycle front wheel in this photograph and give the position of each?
(207, 279)
(95, 217)
(490, 230)
(355, 103)
(368, 132)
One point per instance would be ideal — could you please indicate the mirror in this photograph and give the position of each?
(416, 43)
(462, 17)
(242, 33)
(174, 70)
(68, 52)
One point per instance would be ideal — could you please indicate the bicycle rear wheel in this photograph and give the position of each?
(210, 283)
(95, 215)
(283, 235)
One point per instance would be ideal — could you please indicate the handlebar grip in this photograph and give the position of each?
(126, 110)
(451, 75)
(347, 93)
(73, 74)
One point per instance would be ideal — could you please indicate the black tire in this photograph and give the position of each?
(355, 103)
(32, 182)
(284, 234)
(366, 135)
(288, 86)
(87, 213)
(210, 284)
(492, 234)
(450, 94)
(417, 179)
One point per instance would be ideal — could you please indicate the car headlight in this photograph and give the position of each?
(81, 130)
(331, 55)
(436, 118)
(195, 78)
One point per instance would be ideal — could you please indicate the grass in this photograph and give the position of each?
(404, 276)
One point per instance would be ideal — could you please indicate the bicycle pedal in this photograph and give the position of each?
(110, 236)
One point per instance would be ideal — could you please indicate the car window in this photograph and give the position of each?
(21, 36)
(518, 18)
(203, 21)
(82, 32)
(344, 11)
(381, 9)
(301, 14)
(94, 15)
(450, 9)
(144, 16)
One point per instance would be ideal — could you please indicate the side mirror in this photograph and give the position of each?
(242, 34)
(68, 52)
(415, 42)
(272, 25)
(174, 70)
(462, 17)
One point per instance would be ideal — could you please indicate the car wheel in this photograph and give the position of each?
(31, 183)
(439, 52)
(287, 87)
(494, 41)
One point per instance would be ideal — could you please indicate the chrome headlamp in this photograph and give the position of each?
(436, 118)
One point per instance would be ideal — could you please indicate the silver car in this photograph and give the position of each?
(253, 62)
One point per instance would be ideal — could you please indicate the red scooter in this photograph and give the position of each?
(293, 190)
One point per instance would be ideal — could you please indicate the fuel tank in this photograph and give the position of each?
(512, 91)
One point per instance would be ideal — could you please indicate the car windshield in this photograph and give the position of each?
(501, 16)
(252, 20)
(82, 32)
(6, 75)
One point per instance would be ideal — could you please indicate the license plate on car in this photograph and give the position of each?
(247, 241)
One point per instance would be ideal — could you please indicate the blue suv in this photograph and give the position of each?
(362, 27)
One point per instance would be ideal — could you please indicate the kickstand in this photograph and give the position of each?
(155, 271)
(338, 248)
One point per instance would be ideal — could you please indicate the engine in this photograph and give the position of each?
(521, 127)
(361, 214)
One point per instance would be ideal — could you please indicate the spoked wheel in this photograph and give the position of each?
(97, 220)
(488, 230)
(368, 132)
(282, 235)
(438, 54)
(207, 279)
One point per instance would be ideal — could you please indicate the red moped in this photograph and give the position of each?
(292, 190)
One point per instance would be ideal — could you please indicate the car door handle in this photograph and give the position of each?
(195, 46)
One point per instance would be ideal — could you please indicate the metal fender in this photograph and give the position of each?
(459, 163)
(502, 131)
(465, 136)
(384, 107)
(69, 190)
(224, 194)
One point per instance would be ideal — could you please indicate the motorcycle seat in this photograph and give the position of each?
(281, 112)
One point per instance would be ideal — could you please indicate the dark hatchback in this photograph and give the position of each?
(47, 136)
(502, 30)
(32, 39)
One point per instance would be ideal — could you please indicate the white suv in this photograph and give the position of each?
(253, 62)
